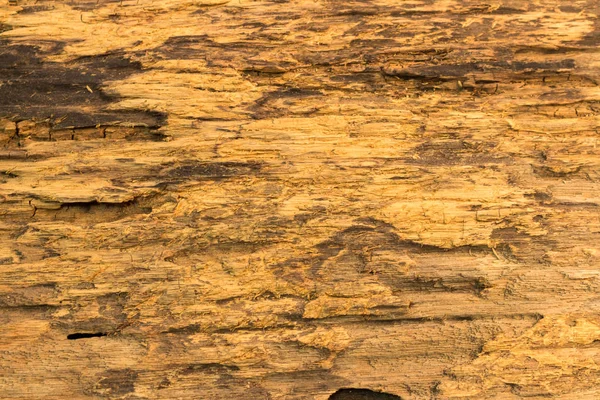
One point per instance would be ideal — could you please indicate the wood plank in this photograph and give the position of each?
(299, 199)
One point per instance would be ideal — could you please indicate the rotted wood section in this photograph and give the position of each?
(303, 199)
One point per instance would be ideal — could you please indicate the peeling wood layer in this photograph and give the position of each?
(299, 199)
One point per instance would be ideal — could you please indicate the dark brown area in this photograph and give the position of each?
(362, 394)
(55, 93)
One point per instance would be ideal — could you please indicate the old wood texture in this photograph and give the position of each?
(279, 199)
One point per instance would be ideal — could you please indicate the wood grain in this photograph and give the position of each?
(273, 199)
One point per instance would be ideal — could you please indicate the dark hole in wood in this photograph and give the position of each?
(75, 336)
(362, 394)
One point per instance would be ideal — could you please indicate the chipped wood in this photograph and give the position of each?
(300, 199)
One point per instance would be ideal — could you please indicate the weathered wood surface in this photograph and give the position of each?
(277, 199)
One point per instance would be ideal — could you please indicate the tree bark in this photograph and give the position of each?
(212, 199)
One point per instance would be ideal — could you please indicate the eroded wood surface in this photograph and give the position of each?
(279, 199)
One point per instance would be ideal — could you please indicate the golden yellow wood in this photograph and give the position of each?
(280, 199)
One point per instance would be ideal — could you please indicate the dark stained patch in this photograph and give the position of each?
(51, 130)
(374, 43)
(179, 42)
(352, 262)
(35, 8)
(507, 11)
(541, 66)
(213, 170)
(439, 72)
(542, 197)
(569, 9)
(413, 13)
(209, 368)
(7, 174)
(268, 67)
(367, 78)
(456, 151)
(445, 72)
(185, 330)
(314, 26)
(112, 305)
(576, 205)
(544, 171)
(296, 93)
(58, 93)
(591, 39)
(355, 14)
(518, 246)
(279, 103)
(446, 152)
(253, 24)
(116, 382)
(93, 212)
(216, 54)
(362, 394)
